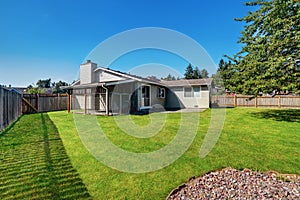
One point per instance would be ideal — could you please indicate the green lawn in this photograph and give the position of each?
(259, 139)
(34, 161)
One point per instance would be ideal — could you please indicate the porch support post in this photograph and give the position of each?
(106, 102)
(84, 103)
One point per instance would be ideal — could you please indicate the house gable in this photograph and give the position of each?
(103, 77)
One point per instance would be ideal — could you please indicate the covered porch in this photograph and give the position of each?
(104, 98)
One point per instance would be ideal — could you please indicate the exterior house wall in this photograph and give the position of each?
(156, 101)
(120, 97)
(172, 101)
(187, 102)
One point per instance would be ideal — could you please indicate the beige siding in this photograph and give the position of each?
(187, 102)
(107, 77)
(156, 101)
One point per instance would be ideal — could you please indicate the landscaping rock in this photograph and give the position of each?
(234, 184)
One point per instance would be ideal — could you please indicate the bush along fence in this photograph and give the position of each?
(279, 101)
(10, 106)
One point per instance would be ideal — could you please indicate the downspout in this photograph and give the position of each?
(106, 100)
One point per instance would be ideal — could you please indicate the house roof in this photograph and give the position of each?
(19, 90)
(130, 76)
(188, 82)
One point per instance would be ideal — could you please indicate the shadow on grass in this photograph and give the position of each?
(9, 127)
(287, 115)
(34, 163)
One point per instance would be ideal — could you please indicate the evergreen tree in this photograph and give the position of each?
(197, 73)
(226, 75)
(204, 73)
(169, 78)
(270, 57)
(189, 72)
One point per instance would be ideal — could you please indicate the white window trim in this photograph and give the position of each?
(149, 95)
(159, 93)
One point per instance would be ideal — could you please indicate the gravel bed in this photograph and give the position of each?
(234, 184)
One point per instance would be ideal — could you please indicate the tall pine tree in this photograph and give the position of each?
(189, 72)
(197, 73)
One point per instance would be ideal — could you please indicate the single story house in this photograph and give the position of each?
(103, 90)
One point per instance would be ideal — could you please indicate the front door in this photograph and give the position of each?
(145, 95)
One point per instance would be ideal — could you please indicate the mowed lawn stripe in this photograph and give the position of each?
(34, 163)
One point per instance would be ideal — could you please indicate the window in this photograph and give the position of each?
(192, 92)
(188, 92)
(204, 88)
(161, 92)
(196, 91)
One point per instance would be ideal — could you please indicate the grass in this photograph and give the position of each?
(34, 163)
(42, 156)
(259, 139)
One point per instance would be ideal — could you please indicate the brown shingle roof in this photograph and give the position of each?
(188, 82)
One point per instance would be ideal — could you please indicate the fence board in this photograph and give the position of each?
(264, 101)
(10, 107)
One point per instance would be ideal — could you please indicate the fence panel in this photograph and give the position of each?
(10, 107)
(245, 101)
(45, 103)
(264, 101)
(222, 101)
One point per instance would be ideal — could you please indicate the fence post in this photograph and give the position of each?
(234, 101)
(69, 103)
(255, 102)
(37, 102)
(279, 102)
(2, 108)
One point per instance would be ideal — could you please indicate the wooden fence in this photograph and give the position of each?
(264, 101)
(10, 107)
(44, 103)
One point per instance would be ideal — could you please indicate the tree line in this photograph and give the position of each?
(190, 73)
(46, 86)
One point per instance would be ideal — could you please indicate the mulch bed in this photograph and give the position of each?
(230, 183)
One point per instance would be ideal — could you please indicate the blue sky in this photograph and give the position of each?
(42, 39)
